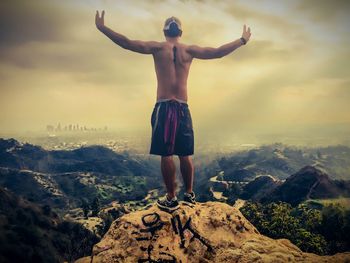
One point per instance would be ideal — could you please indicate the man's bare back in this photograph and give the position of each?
(172, 66)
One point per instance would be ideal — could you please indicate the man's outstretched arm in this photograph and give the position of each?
(143, 47)
(211, 53)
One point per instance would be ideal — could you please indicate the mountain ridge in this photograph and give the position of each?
(308, 182)
(93, 158)
(282, 160)
(61, 178)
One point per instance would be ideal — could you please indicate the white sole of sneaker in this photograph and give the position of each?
(188, 203)
(169, 209)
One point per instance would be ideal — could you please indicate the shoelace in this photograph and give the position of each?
(169, 200)
(192, 195)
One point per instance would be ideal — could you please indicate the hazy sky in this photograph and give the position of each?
(293, 75)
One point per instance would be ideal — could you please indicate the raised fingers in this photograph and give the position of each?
(102, 14)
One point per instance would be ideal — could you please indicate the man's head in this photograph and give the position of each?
(172, 27)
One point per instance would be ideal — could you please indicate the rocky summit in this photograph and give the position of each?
(205, 232)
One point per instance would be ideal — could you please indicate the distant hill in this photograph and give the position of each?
(34, 186)
(260, 187)
(308, 183)
(94, 158)
(30, 233)
(281, 161)
(62, 178)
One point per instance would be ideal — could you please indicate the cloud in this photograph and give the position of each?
(335, 65)
(26, 21)
(324, 11)
(55, 65)
(270, 20)
(260, 50)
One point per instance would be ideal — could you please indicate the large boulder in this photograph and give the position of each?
(205, 232)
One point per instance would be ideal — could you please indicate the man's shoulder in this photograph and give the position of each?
(166, 45)
(189, 47)
(160, 44)
(184, 45)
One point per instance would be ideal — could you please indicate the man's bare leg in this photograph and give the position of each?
(169, 174)
(187, 172)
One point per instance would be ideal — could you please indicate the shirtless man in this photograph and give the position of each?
(172, 131)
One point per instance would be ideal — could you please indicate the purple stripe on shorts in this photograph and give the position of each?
(172, 112)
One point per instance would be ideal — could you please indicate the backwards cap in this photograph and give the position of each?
(171, 20)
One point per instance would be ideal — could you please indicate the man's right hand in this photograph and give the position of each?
(246, 33)
(99, 21)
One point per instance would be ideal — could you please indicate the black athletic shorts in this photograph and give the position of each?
(172, 130)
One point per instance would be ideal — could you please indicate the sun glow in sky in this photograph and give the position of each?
(293, 75)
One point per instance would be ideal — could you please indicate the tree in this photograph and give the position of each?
(107, 221)
(95, 206)
(279, 220)
(46, 209)
(334, 223)
(233, 192)
(86, 207)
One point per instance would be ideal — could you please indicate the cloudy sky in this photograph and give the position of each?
(291, 78)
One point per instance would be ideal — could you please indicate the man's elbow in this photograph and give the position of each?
(124, 43)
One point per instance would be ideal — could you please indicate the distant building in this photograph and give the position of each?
(73, 127)
(50, 128)
(58, 127)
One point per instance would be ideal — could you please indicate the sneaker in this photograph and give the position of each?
(168, 205)
(190, 198)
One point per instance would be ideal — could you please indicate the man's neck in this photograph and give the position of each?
(172, 40)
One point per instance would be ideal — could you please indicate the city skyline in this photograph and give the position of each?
(72, 127)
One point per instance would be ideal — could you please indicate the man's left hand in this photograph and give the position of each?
(246, 33)
(99, 21)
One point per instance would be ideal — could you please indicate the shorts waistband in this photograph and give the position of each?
(174, 99)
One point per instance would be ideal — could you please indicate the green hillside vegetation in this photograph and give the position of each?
(341, 201)
(322, 231)
(30, 233)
